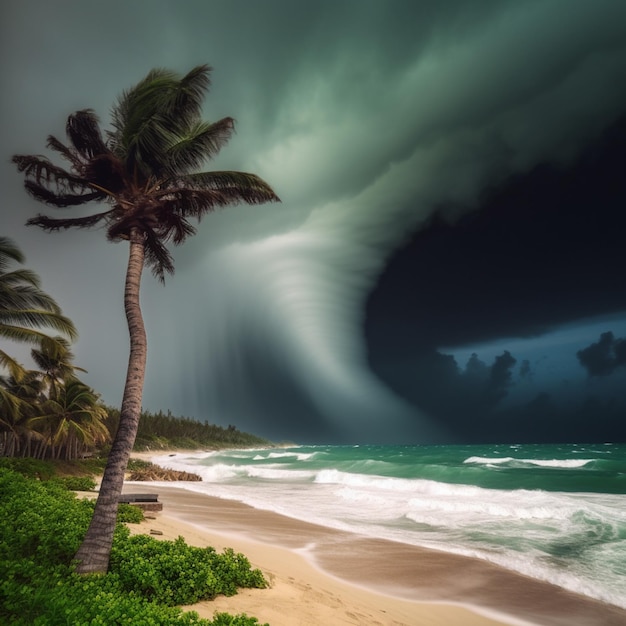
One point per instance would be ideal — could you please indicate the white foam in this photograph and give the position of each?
(517, 529)
(563, 463)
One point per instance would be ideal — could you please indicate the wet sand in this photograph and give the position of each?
(324, 576)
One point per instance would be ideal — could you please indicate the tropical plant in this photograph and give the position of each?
(24, 307)
(41, 525)
(70, 420)
(24, 310)
(145, 169)
(54, 360)
(20, 394)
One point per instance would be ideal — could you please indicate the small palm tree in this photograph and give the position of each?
(21, 392)
(54, 360)
(70, 420)
(145, 169)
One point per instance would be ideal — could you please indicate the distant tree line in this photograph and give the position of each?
(160, 431)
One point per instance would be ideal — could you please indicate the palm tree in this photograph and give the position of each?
(20, 394)
(54, 360)
(24, 307)
(146, 171)
(70, 420)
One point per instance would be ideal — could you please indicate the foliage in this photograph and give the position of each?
(76, 483)
(26, 394)
(174, 573)
(42, 524)
(163, 431)
(129, 514)
(32, 468)
(24, 306)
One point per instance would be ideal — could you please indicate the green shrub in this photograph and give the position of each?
(173, 572)
(41, 527)
(76, 483)
(129, 514)
(33, 468)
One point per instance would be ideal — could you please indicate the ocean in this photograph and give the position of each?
(553, 512)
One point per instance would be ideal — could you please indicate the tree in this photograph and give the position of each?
(24, 310)
(70, 420)
(146, 171)
(20, 394)
(54, 360)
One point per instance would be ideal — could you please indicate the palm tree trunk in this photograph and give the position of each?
(93, 554)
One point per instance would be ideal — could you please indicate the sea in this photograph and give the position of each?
(552, 512)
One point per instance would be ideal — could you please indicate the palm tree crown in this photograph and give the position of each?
(144, 168)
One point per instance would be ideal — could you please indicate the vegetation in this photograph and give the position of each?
(163, 431)
(146, 171)
(46, 412)
(41, 526)
(24, 307)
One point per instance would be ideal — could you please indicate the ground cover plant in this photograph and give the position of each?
(41, 525)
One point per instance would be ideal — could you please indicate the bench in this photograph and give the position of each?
(145, 501)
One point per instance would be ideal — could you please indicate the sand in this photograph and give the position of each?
(320, 576)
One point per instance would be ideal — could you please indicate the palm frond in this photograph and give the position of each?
(201, 142)
(138, 105)
(23, 334)
(236, 186)
(147, 148)
(193, 203)
(154, 115)
(158, 258)
(83, 131)
(18, 277)
(35, 318)
(9, 250)
(180, 229)
(53, 223)
(41, 170)
(70, 155)
(192, 88)
(14, 367)
(60, 200)
(25, 296)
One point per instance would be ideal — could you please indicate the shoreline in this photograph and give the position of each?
(318, 569)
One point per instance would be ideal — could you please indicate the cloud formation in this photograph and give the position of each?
(366, 118)
(603, 357)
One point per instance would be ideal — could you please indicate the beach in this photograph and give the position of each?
(319, 575)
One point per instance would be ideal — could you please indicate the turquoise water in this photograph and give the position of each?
(553, 512)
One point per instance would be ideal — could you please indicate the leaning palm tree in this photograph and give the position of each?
(24, 307)
(145, 170)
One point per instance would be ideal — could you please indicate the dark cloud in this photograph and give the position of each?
(545, 248)
(603, 357)
(368, 118)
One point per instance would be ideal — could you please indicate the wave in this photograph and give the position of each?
(297, 456)
(512, 461)
(562, 519)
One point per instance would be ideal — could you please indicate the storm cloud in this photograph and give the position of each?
(368, 119)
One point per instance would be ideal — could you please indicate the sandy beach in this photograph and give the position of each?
(320, 576)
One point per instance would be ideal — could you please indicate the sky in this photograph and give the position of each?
(447, 262)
